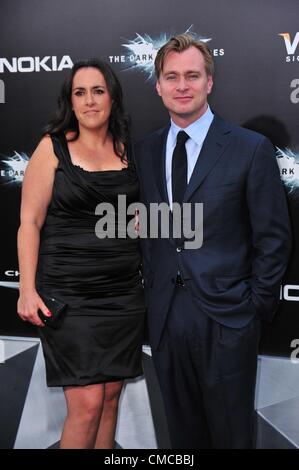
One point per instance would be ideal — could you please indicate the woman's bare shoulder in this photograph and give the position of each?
(45, 151)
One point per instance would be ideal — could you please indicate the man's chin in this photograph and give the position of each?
(184, 115)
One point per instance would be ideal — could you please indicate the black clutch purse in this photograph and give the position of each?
(56, 308)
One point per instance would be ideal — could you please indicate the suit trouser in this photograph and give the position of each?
(207, 375)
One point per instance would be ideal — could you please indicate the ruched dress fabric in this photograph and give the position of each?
(100, 336)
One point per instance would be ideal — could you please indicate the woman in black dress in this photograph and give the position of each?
(83, 160)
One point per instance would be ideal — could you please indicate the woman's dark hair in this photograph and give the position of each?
(65, 119)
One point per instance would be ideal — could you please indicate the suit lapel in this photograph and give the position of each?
(158, 161)
(159, 167)
(217, 139)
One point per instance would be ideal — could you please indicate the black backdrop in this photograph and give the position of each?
(256, 85)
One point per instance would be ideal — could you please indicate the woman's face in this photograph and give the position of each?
(91, 100)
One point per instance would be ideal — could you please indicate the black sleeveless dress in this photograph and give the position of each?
(100, 337)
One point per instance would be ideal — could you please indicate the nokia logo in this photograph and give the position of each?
(35, 64)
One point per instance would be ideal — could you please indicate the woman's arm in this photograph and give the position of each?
(36, 196)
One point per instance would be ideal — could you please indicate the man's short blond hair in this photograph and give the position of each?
(180, 43)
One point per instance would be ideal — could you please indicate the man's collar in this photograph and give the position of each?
(195, 129)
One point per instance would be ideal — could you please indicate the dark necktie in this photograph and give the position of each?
(179, 168)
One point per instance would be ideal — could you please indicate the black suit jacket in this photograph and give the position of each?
(237, 271)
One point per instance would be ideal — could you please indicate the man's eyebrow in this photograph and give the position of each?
(169, 72)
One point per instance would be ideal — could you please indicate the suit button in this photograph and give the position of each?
(179, 249)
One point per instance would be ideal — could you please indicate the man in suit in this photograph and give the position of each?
(205, 305)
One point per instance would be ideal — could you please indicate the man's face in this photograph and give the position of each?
(184, 85)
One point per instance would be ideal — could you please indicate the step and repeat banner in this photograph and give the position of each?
(255, 45)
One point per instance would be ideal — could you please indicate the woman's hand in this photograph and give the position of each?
(28, 305)
(136, 225)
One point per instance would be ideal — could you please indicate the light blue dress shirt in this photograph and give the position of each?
(197, 132)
